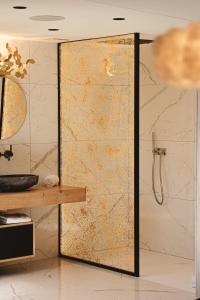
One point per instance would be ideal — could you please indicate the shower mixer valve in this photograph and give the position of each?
(160, 151)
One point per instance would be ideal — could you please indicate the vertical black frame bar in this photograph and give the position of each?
(136, 81)
(59, 146)
(59, 111)
(2, 106)
(137, 154)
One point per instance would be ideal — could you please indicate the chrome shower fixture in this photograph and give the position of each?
(160, 151)
(157, 152)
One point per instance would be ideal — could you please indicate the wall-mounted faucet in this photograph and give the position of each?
(7, 153)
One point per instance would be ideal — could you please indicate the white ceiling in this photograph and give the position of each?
(93, 18)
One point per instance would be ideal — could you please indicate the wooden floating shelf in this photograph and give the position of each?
(42, 196)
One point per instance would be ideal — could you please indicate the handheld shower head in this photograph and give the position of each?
(157, 152)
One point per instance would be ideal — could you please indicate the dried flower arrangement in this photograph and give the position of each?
(13, 63)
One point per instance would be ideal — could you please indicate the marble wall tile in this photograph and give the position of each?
(43, 113)
(44, 71)
(177, 167)
(46, 226)
(103, 112)
(169, 112)
(44, 160)
(148, 74)
(102, 213)
(84, 225)
(35, 145)
(19, 163)
(97, 138)
(169, 228)
(121, 258)
(100, 166)
(96, 63)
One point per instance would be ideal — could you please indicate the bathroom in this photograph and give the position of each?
(112, 210)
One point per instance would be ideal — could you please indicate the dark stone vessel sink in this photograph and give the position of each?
(17, 183)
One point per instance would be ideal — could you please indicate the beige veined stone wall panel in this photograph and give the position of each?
(97, 132)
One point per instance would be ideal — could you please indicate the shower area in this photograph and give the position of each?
(131, 141)
(98, 150)
(168, 124)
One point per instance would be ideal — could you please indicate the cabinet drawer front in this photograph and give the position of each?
(16, 241)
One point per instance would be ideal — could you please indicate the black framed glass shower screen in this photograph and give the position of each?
(97, 137)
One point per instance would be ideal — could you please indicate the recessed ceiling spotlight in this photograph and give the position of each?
(47, 18)
(19, 7)
(53, 29)
(119, 19)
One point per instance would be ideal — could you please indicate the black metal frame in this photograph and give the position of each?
(59, 145)
(2, 105)
(137, 154)
(136, 272)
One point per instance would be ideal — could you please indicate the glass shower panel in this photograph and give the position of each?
(97, 149)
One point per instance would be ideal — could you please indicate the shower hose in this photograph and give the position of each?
(161, 200)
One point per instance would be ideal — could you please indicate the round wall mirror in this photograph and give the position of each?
(13, 108)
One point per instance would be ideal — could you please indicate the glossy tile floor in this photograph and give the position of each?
(168, 270)
(59, 279)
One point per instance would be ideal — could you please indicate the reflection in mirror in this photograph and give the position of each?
(12, 108)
